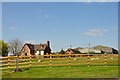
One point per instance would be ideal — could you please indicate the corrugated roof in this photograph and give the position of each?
(103, 48)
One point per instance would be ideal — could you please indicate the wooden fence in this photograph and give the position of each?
(59, 60)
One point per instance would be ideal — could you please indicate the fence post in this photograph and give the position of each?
(105, 59)
(69, 60)
(8, 62)
(88, 59)
(50, 60)
(30, 61)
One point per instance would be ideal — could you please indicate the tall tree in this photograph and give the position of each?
(3, 48)
(15, 47)
(62, 51)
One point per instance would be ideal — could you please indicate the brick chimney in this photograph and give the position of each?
(48, 43)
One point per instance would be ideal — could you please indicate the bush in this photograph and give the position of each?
(92, 52)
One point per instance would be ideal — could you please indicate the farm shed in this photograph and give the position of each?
(86, 50)
(106, 49)
(72, 51)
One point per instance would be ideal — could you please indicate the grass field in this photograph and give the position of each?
(61, 69)
(65, 72)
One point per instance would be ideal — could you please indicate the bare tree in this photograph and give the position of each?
(15, 47)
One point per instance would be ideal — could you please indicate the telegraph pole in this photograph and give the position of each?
(89, 47)
(70, 46)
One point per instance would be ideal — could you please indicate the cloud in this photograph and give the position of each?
(95, 32)
(13, 28)
(30, 41)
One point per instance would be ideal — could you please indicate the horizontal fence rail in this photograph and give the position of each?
(9, 62)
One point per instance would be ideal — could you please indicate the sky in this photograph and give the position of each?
(62, 23)
(59, 0)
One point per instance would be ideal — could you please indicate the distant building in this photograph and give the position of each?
(82, 50)
(10, 54)
(72, 51)
(97, 49)
(86, 50)
(35, 49)
(106, 49)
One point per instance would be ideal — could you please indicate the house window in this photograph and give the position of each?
(26, 54)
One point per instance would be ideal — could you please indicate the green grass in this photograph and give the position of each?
(79, 68)
(65, 72)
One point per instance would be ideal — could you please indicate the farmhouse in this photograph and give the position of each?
(32, 49)
(72, 51)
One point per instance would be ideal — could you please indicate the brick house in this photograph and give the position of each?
(32, 49)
